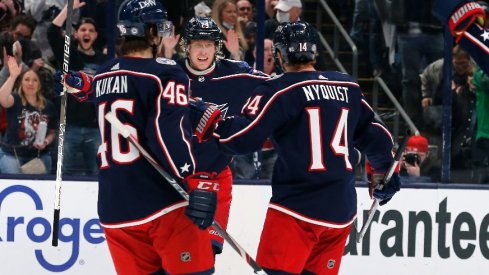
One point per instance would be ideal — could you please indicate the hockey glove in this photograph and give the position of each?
(464, 16)
(379, 190)
(443, 9)
(204, 118)
(202, 202)
(78, 84)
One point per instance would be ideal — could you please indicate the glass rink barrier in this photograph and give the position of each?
(427, 228)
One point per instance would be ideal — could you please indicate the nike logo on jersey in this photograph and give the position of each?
(115, 67)
(329, 92)
(322, 77)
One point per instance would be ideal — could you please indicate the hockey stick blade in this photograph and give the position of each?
(124, 131)
(387, 178)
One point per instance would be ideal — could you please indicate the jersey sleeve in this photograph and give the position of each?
(373, 139)
(169, 129)
(261, 115)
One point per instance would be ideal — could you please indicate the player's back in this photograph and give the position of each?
(315, 117)
(149, 96)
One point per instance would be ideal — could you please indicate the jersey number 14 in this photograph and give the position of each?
(338, 143)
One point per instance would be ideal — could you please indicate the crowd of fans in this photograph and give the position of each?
(399, 42)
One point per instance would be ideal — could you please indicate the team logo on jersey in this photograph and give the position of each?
(223, 107)
(331, 263)
(185, 257)
(165, 61)
(201, 78)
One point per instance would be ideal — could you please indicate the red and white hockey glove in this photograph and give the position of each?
(78, 84)
(464, 16)
(202, 203)
(204, 118)
(380, 190)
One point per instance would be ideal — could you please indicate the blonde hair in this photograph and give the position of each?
(40, 99)
(217, 9)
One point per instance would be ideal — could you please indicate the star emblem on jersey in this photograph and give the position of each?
(185, 257)
(485, 35)
(185, 168)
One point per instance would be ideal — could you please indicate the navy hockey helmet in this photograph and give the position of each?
(295, 41)
(135, 15)
(202, 28)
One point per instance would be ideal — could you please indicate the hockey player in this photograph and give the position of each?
(225, 83)
(316, 119)
(143, 216)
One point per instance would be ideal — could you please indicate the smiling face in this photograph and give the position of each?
(86, 34)
(30, 84)
(201, 53)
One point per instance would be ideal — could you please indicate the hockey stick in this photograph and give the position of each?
(122, 129)
(62, 125)
(387, 178)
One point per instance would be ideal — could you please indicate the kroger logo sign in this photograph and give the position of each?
(37, 229)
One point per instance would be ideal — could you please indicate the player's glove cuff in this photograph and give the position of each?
(78, 84)
(202, 181)
(464, 16)
(206, 117)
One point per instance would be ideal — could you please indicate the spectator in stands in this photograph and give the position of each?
(270, 9)
(26, 110)
(245, 12)
(463, 110)
(250, 36)
(224, 13)
(82, 134)
(9, 9)
(21, 29)
(417, 160)
(481, 88)
(290, 11)
(419, 38)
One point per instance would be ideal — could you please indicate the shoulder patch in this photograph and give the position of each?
(165, 61)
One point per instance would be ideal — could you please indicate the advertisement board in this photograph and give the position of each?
(421, 231)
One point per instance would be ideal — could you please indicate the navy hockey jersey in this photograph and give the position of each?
(228, 85)
(150, 96)
(316, 119)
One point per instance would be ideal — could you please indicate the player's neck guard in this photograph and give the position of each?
(197, 72)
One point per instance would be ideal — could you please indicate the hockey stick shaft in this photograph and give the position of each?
(387, 178)
(62, 126)
(122, 129)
